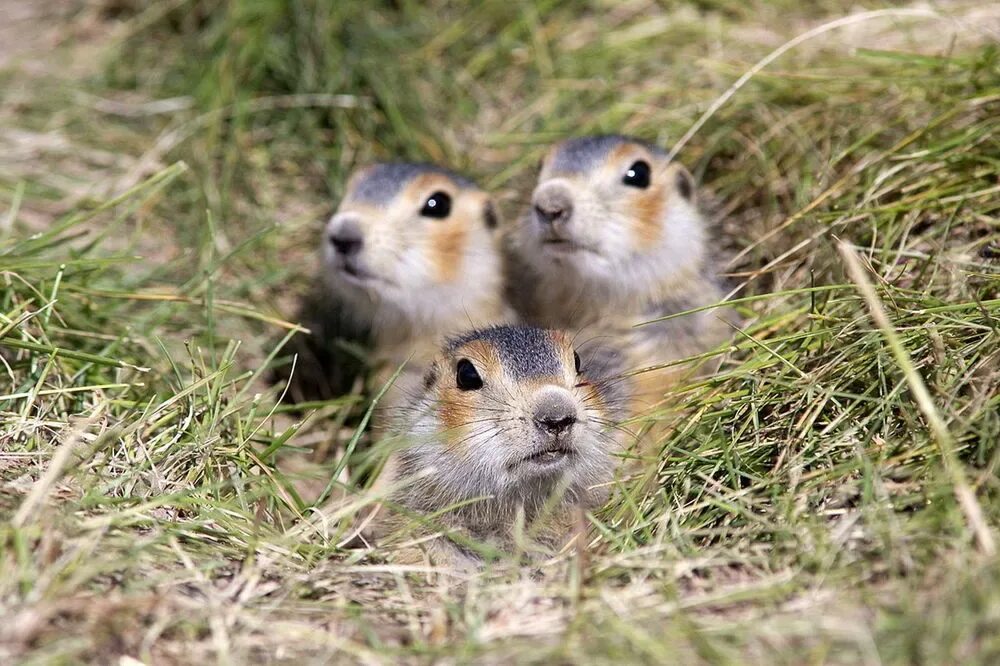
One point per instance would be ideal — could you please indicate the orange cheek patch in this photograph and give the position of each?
(456, 412)
(447, 250)
(648, 207)
(649, 387)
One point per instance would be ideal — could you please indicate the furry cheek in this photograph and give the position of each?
(456, 413)
(447, 250)
(648, 218)
(593, 400)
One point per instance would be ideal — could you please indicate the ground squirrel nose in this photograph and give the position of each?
(347, 240)
(552, 205)
(555, 412)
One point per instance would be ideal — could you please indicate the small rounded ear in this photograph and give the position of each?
(490, 217)
(683, 181)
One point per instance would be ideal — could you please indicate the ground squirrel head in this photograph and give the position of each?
(507, 413)
(613, 209)
(414, 236)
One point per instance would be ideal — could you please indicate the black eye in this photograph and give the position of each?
(576, 360)
(438, 205)
(637, 175)
(466, 376)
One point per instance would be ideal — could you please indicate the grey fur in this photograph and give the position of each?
(603, 362)
(382, 182)
(524, 350)
(487, 473)
(583, 154)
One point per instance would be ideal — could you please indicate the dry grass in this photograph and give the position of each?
(812, 503)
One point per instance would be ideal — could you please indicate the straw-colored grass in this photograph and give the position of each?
(830, 496)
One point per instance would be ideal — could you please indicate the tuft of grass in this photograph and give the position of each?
(158, 211)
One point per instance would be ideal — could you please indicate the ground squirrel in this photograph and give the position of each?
(410, 256)
(506, 429)
(614, 238)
